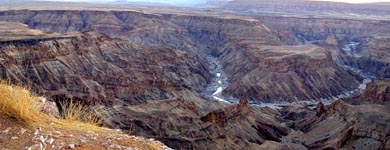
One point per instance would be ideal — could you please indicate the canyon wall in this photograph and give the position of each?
(156, 63)
(253, 55)
(371, 36)
(260, 65)
(94, 68)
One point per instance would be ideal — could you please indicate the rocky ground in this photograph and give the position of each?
(16, 136)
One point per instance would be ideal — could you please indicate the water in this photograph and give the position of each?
(351, 49)
(219, 82)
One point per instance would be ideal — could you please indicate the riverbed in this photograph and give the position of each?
(219, 82)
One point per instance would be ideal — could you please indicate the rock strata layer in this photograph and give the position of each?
(182, 123)
(252, 53)
(94, 68)
(340, 126)
(377, 92)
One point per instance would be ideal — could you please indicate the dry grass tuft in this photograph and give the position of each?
(18, 103)
(76, 112)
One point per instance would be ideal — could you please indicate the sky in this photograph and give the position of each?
(202, 1)
(357, 1)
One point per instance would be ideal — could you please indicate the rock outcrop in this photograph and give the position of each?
(377, 92)
(182, 123)
(342, 126)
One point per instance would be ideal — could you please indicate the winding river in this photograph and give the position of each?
(219, 82)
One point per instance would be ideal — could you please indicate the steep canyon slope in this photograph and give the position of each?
(94, 68)
(143, 73)
(246, 48)
(370, 37)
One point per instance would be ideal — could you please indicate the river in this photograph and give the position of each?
(219, 82)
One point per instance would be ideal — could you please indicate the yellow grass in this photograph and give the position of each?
(76, 112)
(18, 103)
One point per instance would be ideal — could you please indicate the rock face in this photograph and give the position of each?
(259, 64)
(143, 72)
(373, 55)
(377, 92)
(342, 126)
(286, 73)
(295, 30)
(94, 68)
(182, 123)
(232, 40)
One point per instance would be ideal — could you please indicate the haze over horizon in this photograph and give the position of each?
(171, 2)
(355, 1)
(191, 2)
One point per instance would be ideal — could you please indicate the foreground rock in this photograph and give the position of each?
(341, 126)
(15, 136)
(183, 124)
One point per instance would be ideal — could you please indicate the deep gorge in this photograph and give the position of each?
(145, 73)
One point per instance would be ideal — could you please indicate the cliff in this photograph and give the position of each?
(340, 126)
(93, 68)
(231, 40)
(377, 92)
(373, 55)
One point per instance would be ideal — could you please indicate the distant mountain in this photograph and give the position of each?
(307, 7)
(14, 1)
(214, 3)
(121, 1)
(140, 3)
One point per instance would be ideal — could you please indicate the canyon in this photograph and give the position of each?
(201, 36)
(200, 81)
